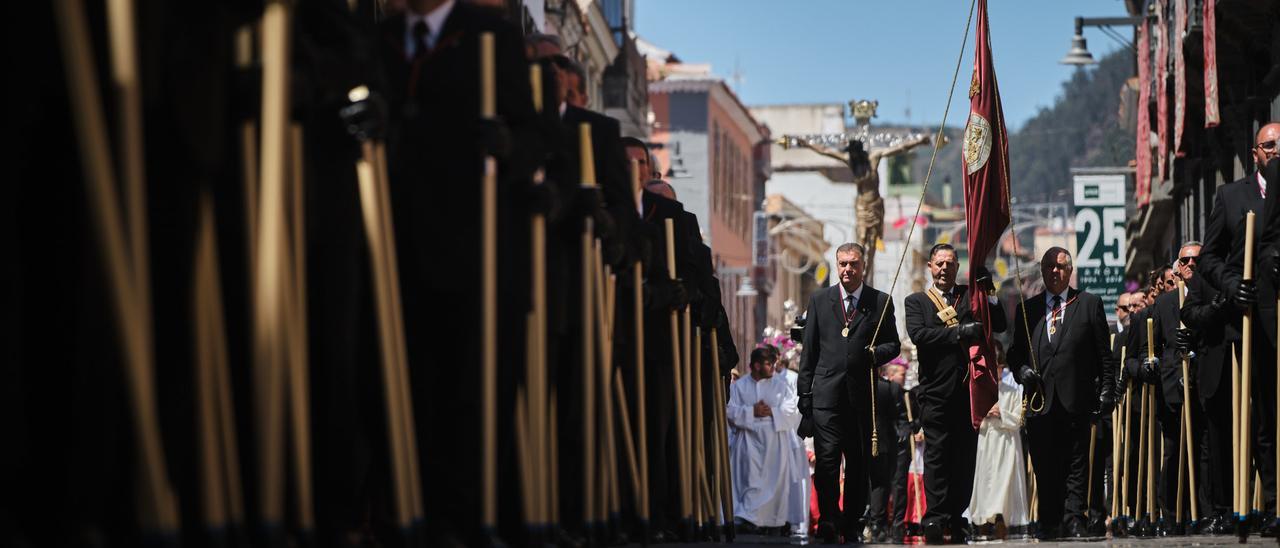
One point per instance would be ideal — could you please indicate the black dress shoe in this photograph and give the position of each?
(1047, 533)
(960, 532)
(827, 533)
(1073, 530)
(898, 533)
(1269, 528)
(933, 533)
(1097, 527)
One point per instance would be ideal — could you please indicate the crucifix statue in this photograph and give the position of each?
(869, 204)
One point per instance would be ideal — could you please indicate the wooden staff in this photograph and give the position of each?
(1088, 497)
(1128, 453)
(553, 454)
(1188, 441)
(489, 298)
(1116, 446)
(296, 299)
(133, 321)
(620, 393)
(225, 418)
(722, 441)
(212, 482)
(642, 424)
(523, 449)
(699, 444)
(1140, 502)
(1034, 511)
(248, 151)
(397, 318)
(588, 174)
(1246, 374)
(686, 394)
(1182, 444)
(1236, 473)
(271, 264)
(1151, 457)
(536, 358)
(366, 172)
(608, 458)
(681, 441)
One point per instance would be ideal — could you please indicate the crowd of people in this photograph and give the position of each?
(1070, 448)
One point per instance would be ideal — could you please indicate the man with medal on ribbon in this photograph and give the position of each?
(850, 332)
(1068, 354)
(941, 325)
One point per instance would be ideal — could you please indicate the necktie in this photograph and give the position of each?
(1053, 318)
(848, 309)
(420, 32)
(950, 297)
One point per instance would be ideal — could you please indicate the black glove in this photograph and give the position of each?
(805, 405)
(806, 427)
(1106, 403)
(971, 331)
(1246, 295)
(494, 138)
(982, 279)
(1186, 343)
(1151, 370)
(365, 119)
(1275, 270)
(1027, 375)
(1218, 303)
(664, 294)
(544, 199)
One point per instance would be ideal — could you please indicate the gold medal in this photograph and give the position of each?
(1052, 330)
(844, 332)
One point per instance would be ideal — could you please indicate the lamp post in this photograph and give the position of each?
(1079, 53)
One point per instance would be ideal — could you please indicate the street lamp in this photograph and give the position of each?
(1079, 53)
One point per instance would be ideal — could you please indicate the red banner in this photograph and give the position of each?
(986, 193)
(1162, 89)
(1142, 148)
(1211, 115)
(1179, 75)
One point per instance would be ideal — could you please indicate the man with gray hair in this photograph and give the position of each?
(1064, 355)
(844, 342)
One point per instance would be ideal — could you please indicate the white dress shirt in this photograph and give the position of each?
(1049, 310)
(435, 21)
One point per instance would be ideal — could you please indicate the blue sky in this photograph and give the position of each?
(900, 52)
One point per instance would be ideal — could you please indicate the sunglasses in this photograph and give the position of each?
(1267, 145)
(1184, 260)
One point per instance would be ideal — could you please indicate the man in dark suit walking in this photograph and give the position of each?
(942, 327)
(844, 342)
(1066, 352)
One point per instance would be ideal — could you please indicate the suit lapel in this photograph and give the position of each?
(837, 307)
(1035, 317)
(865, 307)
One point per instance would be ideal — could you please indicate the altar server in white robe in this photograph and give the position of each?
(763, 418)
(783, 367)
(999, 482)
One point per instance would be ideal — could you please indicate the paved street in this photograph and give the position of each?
(751, 540)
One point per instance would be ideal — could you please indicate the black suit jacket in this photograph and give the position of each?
(944, 358)
(891, 418)
(435, 160)
(1166, 314)
(1222, 257)
(1213, 337)
(832, 364)
(1078, 357)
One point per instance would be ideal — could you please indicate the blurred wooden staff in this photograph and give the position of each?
(1188, 441)
(682, 447)
(603, 281)
(375, 206)
(1119, 438)
(244, 59)
(489, 299)
(587, 170)
(1236, 473)
(642, 425)
(686, 399)
(123, 241)
(701, 510)
(1140, 515)
(724, 483)
(222, 504)
(532, 441)
(1246, 374)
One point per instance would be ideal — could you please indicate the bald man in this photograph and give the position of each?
(1222, 265)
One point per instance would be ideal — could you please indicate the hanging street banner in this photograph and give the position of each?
(1100, 220)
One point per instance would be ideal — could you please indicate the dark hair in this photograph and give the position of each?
(760, 355)
(851, 246)
(563, 62)
(774, 352)
(940, 247)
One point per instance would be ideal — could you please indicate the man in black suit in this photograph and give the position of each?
(1167, 314)
(842, 349)
(942, 326)
(891, 421)
(1066, 352)
(437, 142)
(1207, 313)
(1222, 264)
